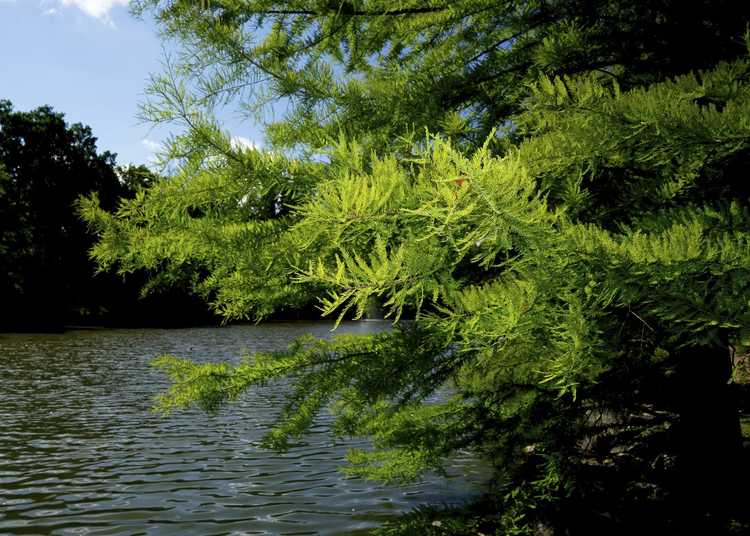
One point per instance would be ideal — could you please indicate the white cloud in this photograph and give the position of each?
(154, 148)
(99, 9)
(50, 11)
(238, 142)
(151, 145)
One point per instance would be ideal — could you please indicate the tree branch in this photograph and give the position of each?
(345, 9)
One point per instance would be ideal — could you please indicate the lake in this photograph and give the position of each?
(80, 452)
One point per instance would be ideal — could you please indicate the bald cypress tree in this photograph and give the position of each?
(571, 239)
(376, 70)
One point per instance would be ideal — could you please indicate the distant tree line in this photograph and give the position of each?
(46, 277)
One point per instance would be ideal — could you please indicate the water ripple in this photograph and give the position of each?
(80, 453)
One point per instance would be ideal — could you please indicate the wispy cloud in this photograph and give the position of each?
(99, 9)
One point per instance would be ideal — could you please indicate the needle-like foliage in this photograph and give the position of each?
(566, 256)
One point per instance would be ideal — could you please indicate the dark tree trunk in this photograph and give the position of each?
(709, 438)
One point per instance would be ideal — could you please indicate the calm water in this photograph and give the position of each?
(81, 454)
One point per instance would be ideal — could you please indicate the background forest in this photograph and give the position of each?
(49, 280)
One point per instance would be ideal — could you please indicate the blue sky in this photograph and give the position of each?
(89, 59)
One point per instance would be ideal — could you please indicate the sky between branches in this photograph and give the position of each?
(89, 59)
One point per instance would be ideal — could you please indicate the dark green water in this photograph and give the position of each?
(80, 453)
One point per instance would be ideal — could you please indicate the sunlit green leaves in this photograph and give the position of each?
(609, 233)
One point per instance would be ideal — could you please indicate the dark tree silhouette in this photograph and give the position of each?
(49, 164)
(46, 277)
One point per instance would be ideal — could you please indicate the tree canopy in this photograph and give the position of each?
(569, 242)
(48, 165)
(49, 281)
(376, 70)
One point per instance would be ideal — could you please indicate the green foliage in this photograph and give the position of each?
(575, 225)
(222, 220)
(135, 178)
(377, 70)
